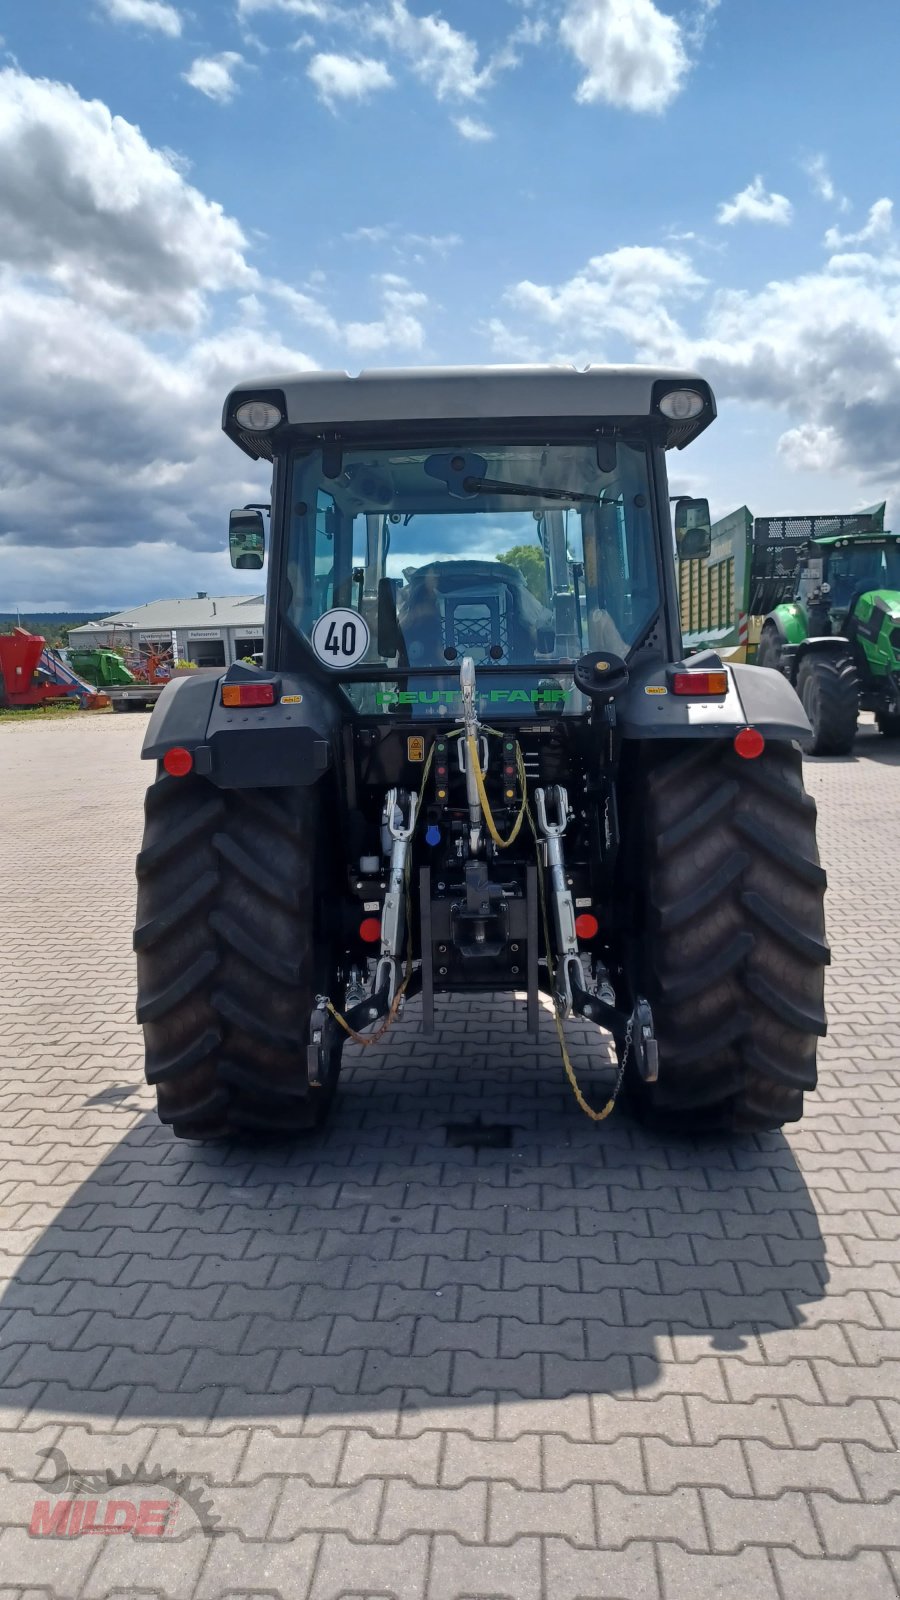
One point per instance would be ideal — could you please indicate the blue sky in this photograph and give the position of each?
(190, 193)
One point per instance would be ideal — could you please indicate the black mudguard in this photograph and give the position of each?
(289, 743)
(757, 697)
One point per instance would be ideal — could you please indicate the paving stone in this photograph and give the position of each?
(315, 1456)
(857, 1419)
(305, 1509)
(566, 1512)
(876, 1471)
(670, 1466)
(122, 1563)
(624, 1517)
(823, 1466)
(573, 1574)
(470, 1572)
(516, 1461)
(346, 1568)
(754, 1419)
(566, 1463)
(807, 1579)
(735, 1522)
(236, 1568)
(366, 1456)
(461, 1511)
(847, 1528)
(717, 1577)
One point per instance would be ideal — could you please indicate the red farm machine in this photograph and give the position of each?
(31, 675)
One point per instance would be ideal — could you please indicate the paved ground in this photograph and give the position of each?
(590, 1364)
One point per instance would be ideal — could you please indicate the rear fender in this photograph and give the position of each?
(757, 697)
(285, 744)
(832, 644)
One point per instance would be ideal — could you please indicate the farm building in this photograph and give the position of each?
(211, 630)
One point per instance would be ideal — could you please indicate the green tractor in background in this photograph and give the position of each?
(832, 591)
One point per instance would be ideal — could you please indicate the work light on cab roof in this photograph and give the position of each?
(681, 404)
(258, 416)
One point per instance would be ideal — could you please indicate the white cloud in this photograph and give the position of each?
(156, 14)
(509, 345)
(439, 244)
(347, 77)
(809, 448)
(756, 204)
(88, 205)
(622, 295)
(110, 438)
(399, 326)
(439, 54)
(825, 347)
(378, 235)
(821, 348)
(214, 75)
(318, 10)
(879, 225)
(135, 448)
(633, 54)
(472, 129)
(697, 27)
(816, 169)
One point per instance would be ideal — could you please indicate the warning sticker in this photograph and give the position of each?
(415, 748)
(291, 699)
(656, 688)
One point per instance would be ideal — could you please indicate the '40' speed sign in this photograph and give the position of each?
(340, 638)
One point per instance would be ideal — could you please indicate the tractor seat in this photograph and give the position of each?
(478, 608)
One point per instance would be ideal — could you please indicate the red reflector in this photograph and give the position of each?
(586, 926)
(370, 930)
(178, 761)
(248, 694)
(700, 683)
(749, 743)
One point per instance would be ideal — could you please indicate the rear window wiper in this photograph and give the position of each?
(534, 491)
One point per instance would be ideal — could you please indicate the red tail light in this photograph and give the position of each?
(248, 694)
(586, 925)
(178, 762)
(700, 683)
(370, 930)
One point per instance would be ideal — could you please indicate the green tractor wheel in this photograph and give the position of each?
(828, 686)
(888, 723)
(769, 650)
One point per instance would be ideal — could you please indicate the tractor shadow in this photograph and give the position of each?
(869, 745)
(460, 1233)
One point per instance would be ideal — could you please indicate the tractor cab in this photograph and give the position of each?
(843, 569)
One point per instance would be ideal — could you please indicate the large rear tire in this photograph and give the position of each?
(732, 950)
(232, 949)
(828, 686)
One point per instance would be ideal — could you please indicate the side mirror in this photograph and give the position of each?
(693, 531)
(246, 539)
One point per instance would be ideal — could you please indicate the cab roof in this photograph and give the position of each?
(391, 401)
